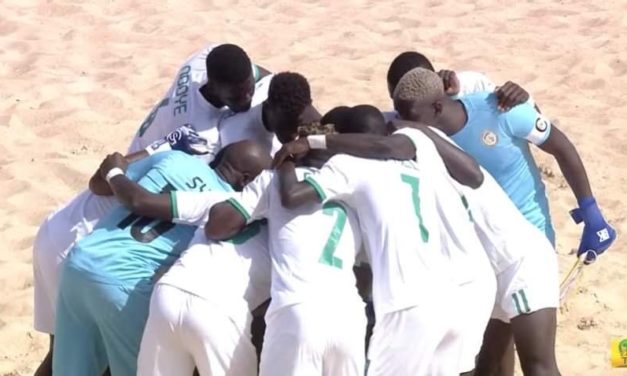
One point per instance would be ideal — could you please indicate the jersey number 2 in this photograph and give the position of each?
(414, 183)
(328, 253)
(138, 224)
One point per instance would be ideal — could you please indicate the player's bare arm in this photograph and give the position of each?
(460, 165)
(225, 221)
(560, 147)
(99, 186)
(293, 192)
(132, 195)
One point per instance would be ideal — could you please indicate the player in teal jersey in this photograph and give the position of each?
(107, 278)
(500, 143)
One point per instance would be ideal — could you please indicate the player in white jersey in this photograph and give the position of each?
(527, 281)
(200, 308)
(404, 243)
(233, 85)
(459, 241)
(315, 322)
(212, 84)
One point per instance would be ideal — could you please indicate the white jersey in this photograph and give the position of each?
(312, 248)
(234, 274)
(248, 126)
(504, 232)
(184, 104)
(396, 207)
(459, 238)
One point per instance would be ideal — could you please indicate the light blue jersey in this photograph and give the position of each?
(499, 141)
(125, 248)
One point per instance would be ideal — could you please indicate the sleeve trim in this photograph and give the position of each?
(174, 210)
(239, 208)
(314, 184)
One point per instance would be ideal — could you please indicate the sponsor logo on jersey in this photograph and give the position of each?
(542, 124)
(489, 138)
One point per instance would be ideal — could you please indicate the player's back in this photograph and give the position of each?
(312, 250)
(396, 208)
(126, 248)
(489, 138)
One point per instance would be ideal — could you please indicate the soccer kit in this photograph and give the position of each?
(184, 104)
(523, 259)
(248, 126)
(499, 141)
(414, 290)
(106, 280)
(463, 248)
(200, 308)
(315, 322)
(77, 218)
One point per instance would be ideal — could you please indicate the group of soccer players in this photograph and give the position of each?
(238, 207)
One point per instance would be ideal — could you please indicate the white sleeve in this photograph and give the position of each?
(336, 178)
(427, 155)
(473, 82)
(192, 208)
(253, 202)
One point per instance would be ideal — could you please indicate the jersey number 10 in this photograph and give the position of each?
(138, 224)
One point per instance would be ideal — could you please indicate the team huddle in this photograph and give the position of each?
(402, 243)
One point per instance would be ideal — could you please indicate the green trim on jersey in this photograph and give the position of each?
(239, 208)
(174, 210)
(314, 184)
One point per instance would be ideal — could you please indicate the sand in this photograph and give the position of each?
(78, 78)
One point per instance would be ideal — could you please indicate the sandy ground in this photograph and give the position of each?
(78, 78)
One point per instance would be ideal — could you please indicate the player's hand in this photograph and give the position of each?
(451, 82)
(112, 161)
(597, 235)
(292, 149)
(185, 139)
(510, 95)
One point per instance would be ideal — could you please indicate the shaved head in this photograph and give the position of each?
(241, 162)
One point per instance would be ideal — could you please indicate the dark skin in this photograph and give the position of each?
(237, 97)
(450, 117)
(241, 163)
(460, 165)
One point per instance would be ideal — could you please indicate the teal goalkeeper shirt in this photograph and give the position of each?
(499, 141)
(125, 248)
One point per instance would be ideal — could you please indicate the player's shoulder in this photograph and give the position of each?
(483, 103)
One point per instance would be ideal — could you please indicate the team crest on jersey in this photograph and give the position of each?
(542, 124)
(489, 138)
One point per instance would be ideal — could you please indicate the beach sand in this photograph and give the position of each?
(79, 77)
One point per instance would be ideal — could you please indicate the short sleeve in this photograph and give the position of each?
(523, 121)
(337, 177)
(253, 201)
(192, 208)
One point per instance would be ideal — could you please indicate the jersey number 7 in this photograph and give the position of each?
(414, 183)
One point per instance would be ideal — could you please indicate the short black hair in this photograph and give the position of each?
(228, 64)
(290, 93)
(405, 62)
(363, 118)
(336, 115)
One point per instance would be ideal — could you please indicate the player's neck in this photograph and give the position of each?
(209, 97)
(453, 117)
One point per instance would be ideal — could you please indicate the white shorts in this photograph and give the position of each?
(476, 305)
(48, 255)
(310, 339)
(423, 340)
(528, 285)
(184, 331)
